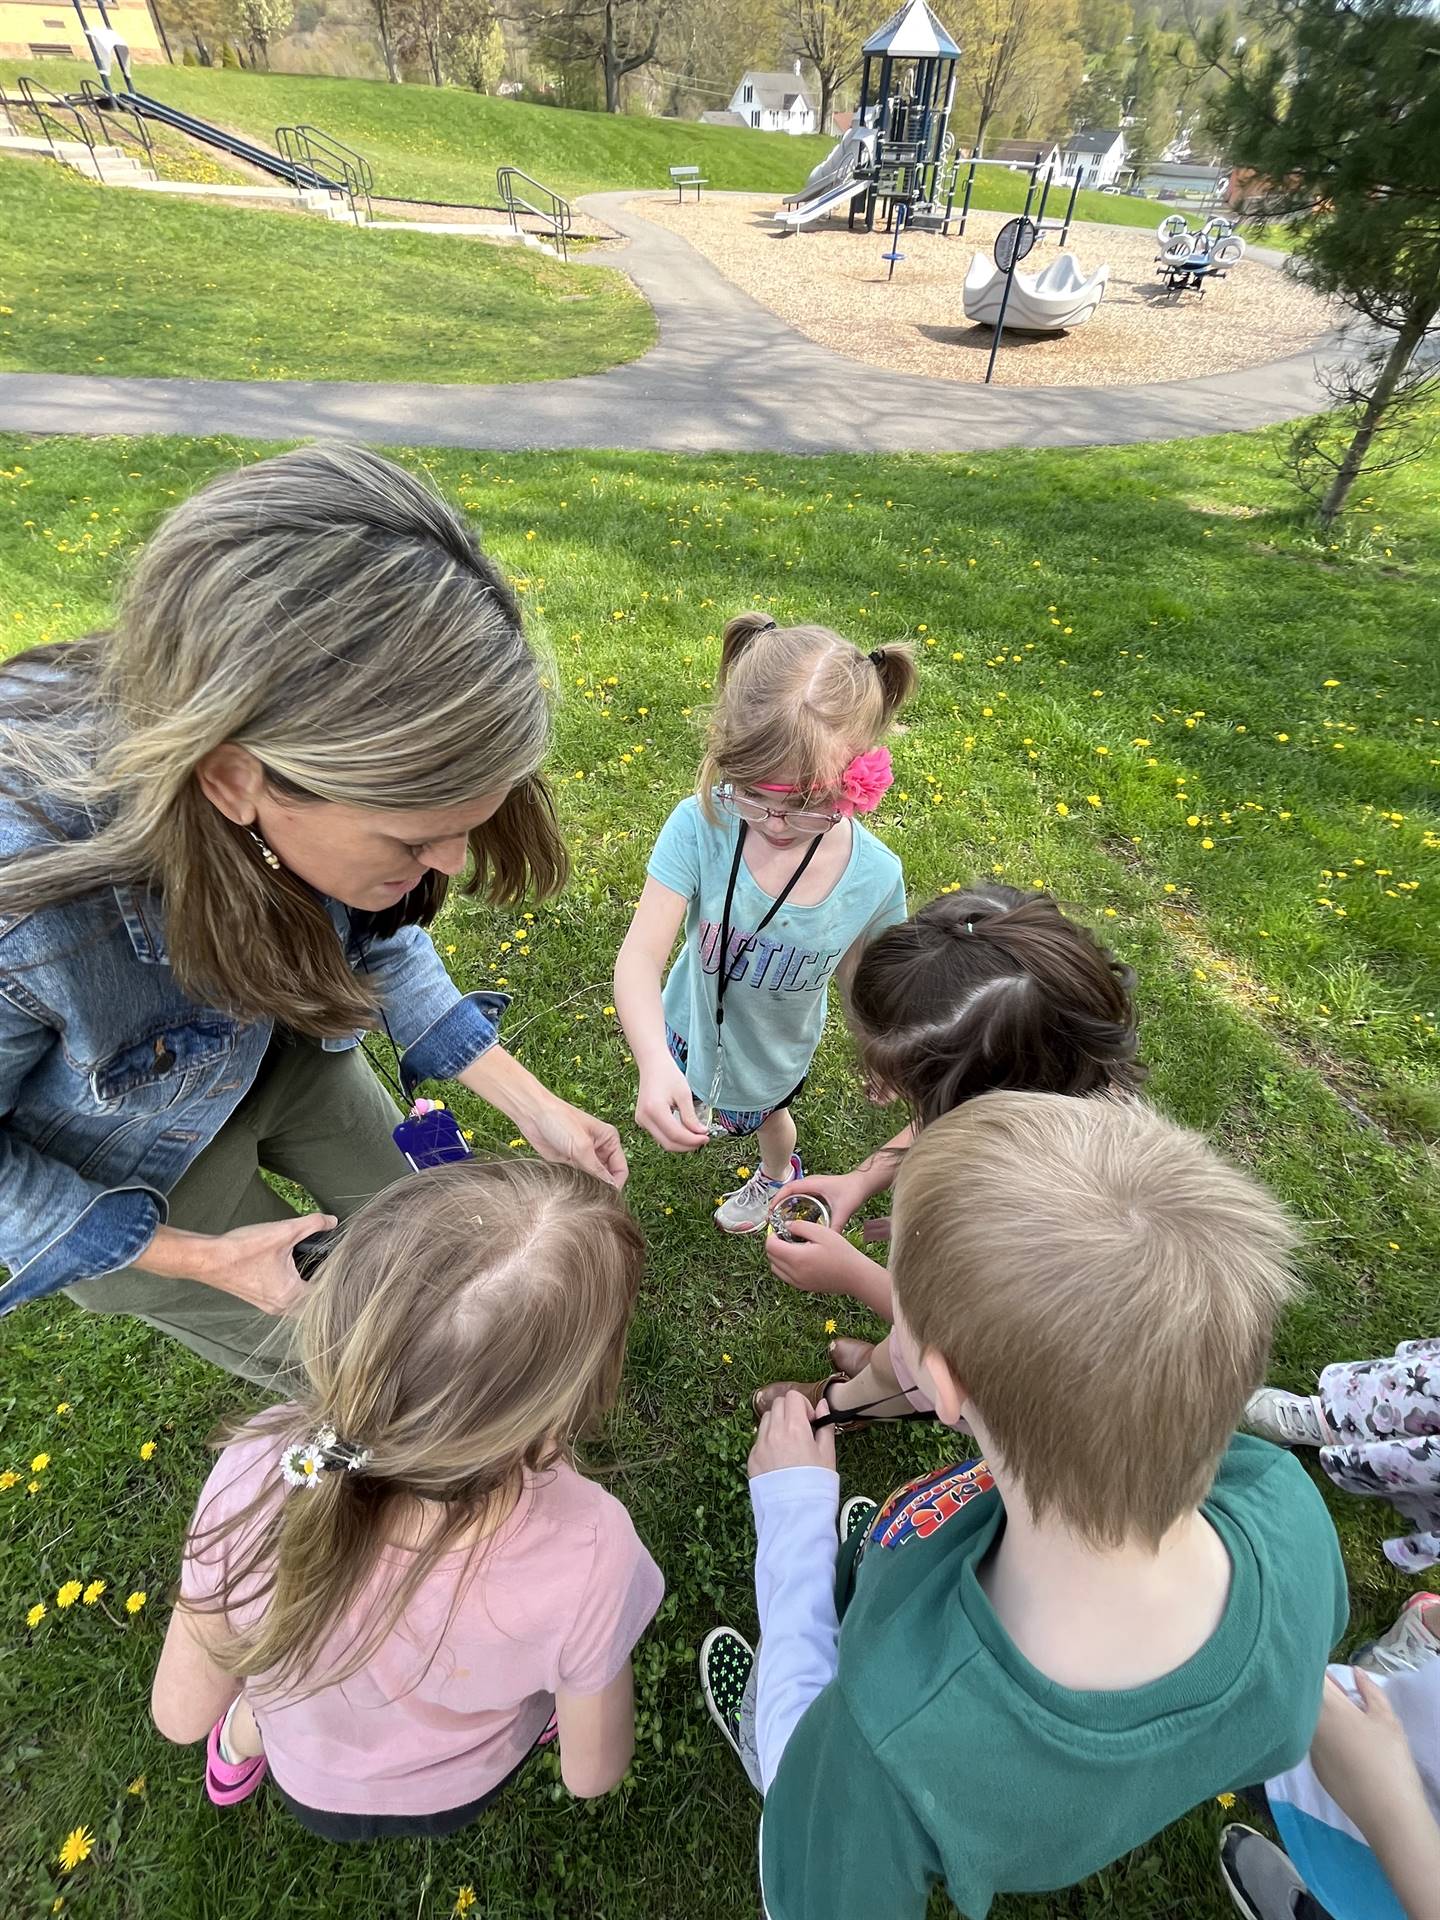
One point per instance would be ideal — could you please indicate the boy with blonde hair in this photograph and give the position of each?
(1047, 1656)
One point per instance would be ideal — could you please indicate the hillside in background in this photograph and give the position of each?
(428, 143)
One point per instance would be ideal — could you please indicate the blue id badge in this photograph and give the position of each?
(429, 1135)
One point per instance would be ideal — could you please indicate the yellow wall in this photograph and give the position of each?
(53, 25)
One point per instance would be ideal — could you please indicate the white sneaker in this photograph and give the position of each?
(747, 1210)
(1289, 1419)
(1406, 1645)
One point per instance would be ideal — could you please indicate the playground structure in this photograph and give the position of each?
(900, 151)
(1189, 258)
(1057, 297)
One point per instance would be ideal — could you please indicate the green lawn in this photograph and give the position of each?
(445, 144)
(1142, 685)
(139, 284)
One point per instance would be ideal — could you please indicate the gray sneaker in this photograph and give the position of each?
(1259, 1878)
(1289, 1419)
(1407, 1644)
(747, 1210)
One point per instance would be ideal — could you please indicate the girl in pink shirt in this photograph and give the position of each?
(398, 1586)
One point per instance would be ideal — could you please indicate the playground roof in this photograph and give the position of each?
(912, 33)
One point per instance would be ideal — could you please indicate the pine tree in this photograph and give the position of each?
(1336, 113)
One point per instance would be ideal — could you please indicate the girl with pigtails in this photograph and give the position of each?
(777, 886)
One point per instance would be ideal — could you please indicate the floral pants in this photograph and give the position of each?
(1386, 1416)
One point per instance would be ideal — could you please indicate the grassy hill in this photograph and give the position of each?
(97, 280)
(428, 143)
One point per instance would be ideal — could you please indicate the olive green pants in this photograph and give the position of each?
(322, 1120)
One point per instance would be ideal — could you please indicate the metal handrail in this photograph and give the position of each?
(43, 110)
(98, 102)
(308, 149)
(557, 214)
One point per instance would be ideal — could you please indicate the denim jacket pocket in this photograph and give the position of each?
(150, 1073)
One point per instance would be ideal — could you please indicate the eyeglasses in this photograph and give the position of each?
(744, 806)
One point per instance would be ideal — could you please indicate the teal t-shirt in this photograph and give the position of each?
(939, 1754)
(775, 1002)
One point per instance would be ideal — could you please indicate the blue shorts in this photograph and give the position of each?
(727, 1119)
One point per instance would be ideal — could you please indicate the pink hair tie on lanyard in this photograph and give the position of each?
(866, 781)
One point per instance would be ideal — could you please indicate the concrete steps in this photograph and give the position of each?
(115, 167)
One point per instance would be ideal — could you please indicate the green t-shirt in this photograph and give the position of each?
(938, 1753)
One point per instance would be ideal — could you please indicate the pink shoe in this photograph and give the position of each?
(227, 1785)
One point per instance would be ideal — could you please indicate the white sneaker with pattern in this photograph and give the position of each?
(747, 1210)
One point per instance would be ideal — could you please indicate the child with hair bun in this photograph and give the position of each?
(397, 1587)
(777, 886)
(987, 988)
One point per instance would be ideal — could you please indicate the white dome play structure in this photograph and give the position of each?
(1047, 302)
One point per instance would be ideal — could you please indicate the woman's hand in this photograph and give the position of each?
(843, 1193)
(254, 1263)
(559, 1132)
(665, 1108)
(787, 1439)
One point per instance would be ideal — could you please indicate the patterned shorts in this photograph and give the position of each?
(729, 1119)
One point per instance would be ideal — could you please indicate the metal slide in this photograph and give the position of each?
(838, 197)
(295, 173)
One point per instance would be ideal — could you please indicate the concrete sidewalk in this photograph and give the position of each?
(726, 375)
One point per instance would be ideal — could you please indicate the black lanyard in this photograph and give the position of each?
(725, 971)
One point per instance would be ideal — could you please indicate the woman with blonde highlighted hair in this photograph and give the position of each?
(225, 824)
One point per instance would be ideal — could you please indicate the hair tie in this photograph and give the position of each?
(770, 626)
(876, 656)
(303, 1464)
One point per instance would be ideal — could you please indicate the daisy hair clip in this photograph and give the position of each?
(304, 1463)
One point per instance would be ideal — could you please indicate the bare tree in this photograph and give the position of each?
(829, 34)
(387, 26)
(615, 36)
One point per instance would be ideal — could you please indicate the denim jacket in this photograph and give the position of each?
(112, 1080)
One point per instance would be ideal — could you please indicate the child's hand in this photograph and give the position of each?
(665, 1108)
(787, 1439)
(1360, 1754)
(817, 1260)
(843, 1193)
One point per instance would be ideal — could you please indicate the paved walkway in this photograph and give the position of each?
(726, 375)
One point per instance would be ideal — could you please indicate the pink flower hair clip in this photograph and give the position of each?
(866, 781)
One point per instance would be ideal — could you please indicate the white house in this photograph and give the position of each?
(775, 103)
(1098, 156)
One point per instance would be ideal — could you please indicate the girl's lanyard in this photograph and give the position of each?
(725, 971)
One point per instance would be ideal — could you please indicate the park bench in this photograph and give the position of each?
(687, 177)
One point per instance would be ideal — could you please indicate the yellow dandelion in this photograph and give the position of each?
(1093, 799)
(68, 1594)
(36, 1614)
(135, 1601)
(64, 1407)
(830, 1326)
(137, 1785)
(516, 1142)
(1225, 1800)
(39, 1463)
(74, 1848)
(147, 1450)
(464, 1899)
(1208, 844)
(726, 1360)
(1062, 809)
(8, 1480)
(93, 1592)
